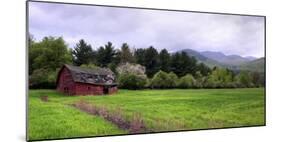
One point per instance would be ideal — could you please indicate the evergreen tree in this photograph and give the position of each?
(182, 64)
(106, 55)
(164, 60)
(190, 63)
(151, 61)
(175, 64)
(83, 53)
(139, 56)
(126, 55)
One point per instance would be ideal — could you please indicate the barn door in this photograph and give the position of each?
(105, 90)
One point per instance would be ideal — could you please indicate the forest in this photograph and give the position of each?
(135, 68)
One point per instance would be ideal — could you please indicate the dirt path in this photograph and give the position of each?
(136, 125)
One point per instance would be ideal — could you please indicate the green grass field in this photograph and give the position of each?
(161, 110)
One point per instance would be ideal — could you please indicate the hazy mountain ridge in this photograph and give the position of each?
(235, 62)
(227, 59)
(201, 58)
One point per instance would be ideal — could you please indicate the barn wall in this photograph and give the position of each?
(88, 89)
(112, 90)
(65, 83)
(67, 86)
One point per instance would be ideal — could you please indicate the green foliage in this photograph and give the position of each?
(151, 61)
(164, 60)
(173, 80)
(159, 80)
(50, 53)
(83, 53)
(43, 78)
(45, 59)
(126, 55)
(203, 69)
(200, 80)
(244, 79)
(131, 76)
(112, 67)
(131, 81)
(257, 78)
(176, 65)
(106, 55)
(182, 64)
(139, 56)
(220, 78)
(164, 80)
(187, 81)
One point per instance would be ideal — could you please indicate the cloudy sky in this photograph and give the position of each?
(229, 34)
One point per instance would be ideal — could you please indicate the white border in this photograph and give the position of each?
(12, 57)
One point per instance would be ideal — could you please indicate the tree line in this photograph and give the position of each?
(148, 67)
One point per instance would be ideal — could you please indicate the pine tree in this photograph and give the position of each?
(83, 53)
(151, 61)
(106, 55)
(164, 60)
(126, 55)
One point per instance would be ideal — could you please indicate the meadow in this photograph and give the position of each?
(160, 110)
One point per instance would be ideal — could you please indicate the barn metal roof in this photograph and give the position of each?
(97, 76)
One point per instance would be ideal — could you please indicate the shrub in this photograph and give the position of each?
(164, 80)
(43, 78)
(187, 81)
(131, 76)
(132, 81)
(159, 80)
(244, 79)
(135, 69)
(173, 80)
(219, 78)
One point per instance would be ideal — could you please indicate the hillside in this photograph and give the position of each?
(255, 65)
(201, 58)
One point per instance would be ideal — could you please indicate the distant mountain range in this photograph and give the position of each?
(234, 62)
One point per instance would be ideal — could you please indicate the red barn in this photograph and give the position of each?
(73, 80)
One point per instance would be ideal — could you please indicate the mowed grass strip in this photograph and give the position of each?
(161, 110)
(135, 125)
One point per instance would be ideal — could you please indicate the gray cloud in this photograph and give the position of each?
(230, 34)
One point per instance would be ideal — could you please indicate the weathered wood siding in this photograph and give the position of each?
(112, 90)
(65, 83)
(88, 89)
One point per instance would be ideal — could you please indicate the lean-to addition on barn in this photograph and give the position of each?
(73, 80)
